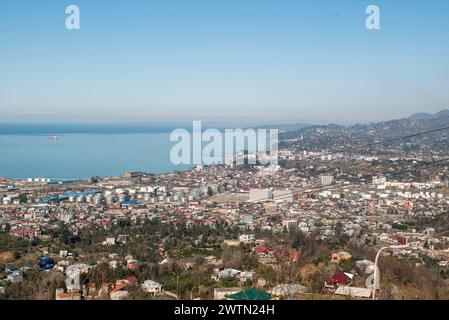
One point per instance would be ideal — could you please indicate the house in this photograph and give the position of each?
(287, 290)
(119, 295)
(247, 238)
(132, 264)
(109, 242)
(228, 273)
(151, 286)
(73, 295)
(341, 278)
(26, 233)
(131, 280)
(365, 266)
(295, 256)
(354, 292)
(262, 249)
(245, 276)
(15, 276)
(399, 239)
(340, 256)
(123, 238)
(443, 263)
(63, 253)
(267, 259)
(72, 280)
(160, 251)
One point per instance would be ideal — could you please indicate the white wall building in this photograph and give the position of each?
(256, 195)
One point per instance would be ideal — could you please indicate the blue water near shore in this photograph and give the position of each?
(82, 155)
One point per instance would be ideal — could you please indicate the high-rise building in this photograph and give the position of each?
(326, 180)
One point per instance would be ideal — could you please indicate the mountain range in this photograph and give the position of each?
(334, 137)
(424, 115)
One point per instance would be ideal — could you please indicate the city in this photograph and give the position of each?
(308, 228)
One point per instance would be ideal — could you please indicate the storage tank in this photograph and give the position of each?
(98, 199)
(111, 199)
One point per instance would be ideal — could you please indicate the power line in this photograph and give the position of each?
(381, 142)
(386, 141)
(369, 145)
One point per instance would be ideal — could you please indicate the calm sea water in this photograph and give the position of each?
(82, 155)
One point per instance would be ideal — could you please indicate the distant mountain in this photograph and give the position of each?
(335, 137)
(424, 115)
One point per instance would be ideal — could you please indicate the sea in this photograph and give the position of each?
(84, 151)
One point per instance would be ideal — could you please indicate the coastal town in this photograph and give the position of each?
(307, 228)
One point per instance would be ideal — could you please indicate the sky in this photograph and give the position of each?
(264, 61)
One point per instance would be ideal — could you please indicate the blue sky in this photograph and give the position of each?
(222, 60)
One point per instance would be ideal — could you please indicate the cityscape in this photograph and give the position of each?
(307, 228)
(213, 159)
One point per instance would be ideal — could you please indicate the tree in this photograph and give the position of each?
(64, 233)
(210, 192)
(23, 198)
(313, 278)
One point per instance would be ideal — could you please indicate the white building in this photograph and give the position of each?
(378, 180)
(290, 224)
(15, 276)
(256, 195)
(72, 280)
(151, 286)
(109, 242)
(119, 295)
(326, 180)
(247, 238)
(283, 195)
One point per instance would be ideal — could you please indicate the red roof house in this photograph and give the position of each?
(340, 278)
